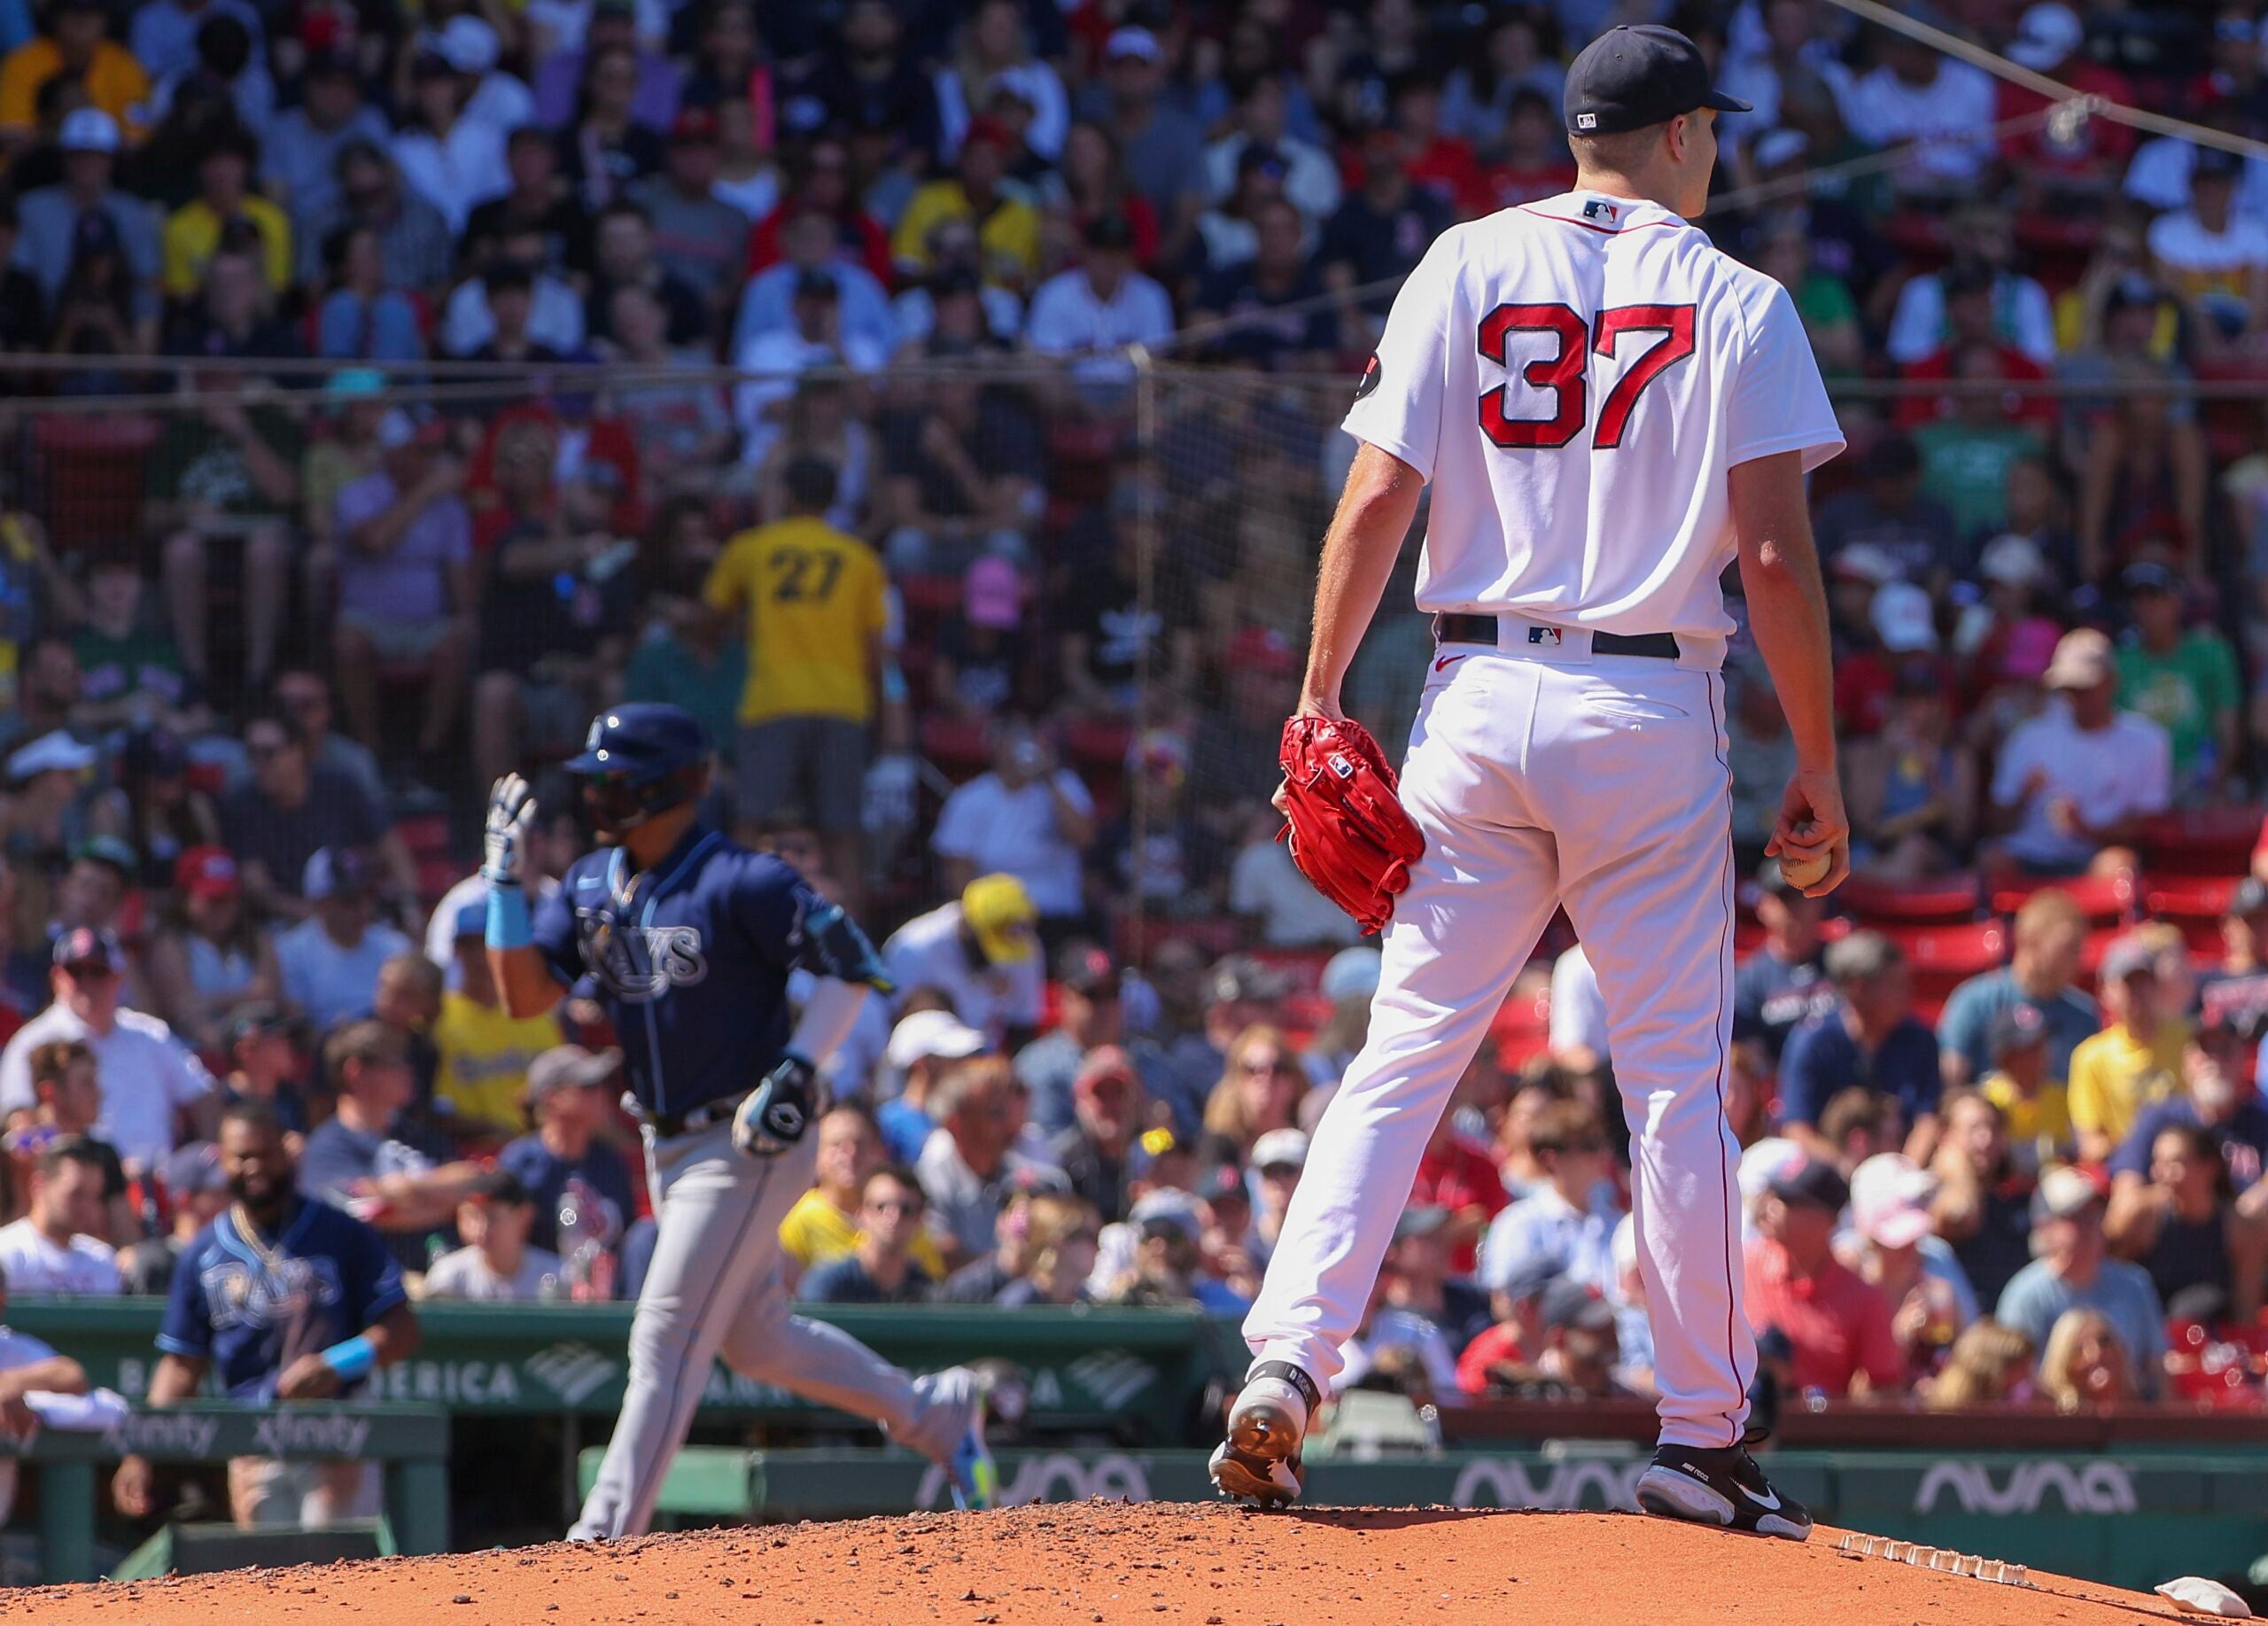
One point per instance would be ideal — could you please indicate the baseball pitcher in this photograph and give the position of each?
(689, 939)
(1610, 412)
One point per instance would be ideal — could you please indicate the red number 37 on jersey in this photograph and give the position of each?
(1563, 374)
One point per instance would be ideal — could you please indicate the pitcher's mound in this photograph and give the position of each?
(1073, 1564)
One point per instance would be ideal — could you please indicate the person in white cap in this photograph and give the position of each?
(470, 45)
(47, 217)
(1894, 1247)
(2073, 784)
(2070, 164)
(451, 159)
(1161, 148)
(923, 1050)
(2071, 1269)
(1278, 1157)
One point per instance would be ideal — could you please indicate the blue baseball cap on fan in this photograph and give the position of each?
(1636, 75)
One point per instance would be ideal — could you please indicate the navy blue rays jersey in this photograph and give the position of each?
(252, 1308)
(691, 957)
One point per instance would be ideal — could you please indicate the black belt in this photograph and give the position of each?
(1486, 628)
(668, 1124)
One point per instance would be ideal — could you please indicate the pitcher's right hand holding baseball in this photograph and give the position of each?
(1812, 838)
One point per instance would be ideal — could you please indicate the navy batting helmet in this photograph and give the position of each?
(638, 760)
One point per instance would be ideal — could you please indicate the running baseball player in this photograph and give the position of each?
(1610, 411)
(690, 940)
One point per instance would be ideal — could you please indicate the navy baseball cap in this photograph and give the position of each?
(644, 739)
(1636, 75)
(85, 948)
(1815, 1183)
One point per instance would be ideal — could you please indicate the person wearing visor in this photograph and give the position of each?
(691, 938)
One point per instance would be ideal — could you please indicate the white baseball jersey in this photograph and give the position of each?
(1555, 369)
(1577, 378)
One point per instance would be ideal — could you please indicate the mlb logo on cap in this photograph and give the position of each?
(1637, 76)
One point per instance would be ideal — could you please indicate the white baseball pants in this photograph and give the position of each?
(1542, 776)
(715, 1288)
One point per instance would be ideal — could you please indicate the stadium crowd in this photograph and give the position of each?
(864, 484)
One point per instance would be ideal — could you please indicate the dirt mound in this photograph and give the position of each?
(1083, 1562)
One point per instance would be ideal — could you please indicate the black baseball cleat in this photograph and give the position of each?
(1722, 1487)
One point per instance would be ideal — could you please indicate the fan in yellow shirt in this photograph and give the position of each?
(821, 1226)
(194, 233)
(2035, 1109)
(813, 599)
(485, 1052)
(109, 73)
(1008, 227)
(2130, 1063)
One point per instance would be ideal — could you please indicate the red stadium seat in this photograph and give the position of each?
(87, 468)
(2195, 904)
(1302, 968)
(1214, 936)
(2105, 899)
(1935, 903)
(960, 747)
(2201, 841)
(1522, 1029)
(2183, 897)
(1944, 957)
(929, 596)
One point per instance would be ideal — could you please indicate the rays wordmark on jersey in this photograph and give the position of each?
(638, 963)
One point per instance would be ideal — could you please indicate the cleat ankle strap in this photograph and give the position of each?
(1299, 1380)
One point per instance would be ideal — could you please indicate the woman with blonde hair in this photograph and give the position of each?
(1260, 1084)
(2084, 1364)
(1989, 1364)
(995, 54)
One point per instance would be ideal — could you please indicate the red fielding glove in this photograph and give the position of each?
(1350, 835)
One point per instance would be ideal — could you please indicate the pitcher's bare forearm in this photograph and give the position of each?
(1787, 603)
(1375, 509)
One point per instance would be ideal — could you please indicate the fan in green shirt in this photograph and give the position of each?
(2184, 680)
(686, 665)
(1965, 458)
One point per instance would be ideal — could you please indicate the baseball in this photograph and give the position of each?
(1804, 873)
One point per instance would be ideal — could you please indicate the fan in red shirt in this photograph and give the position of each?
(1444, 164)
(2237, 80)
(577, 438)
(1969, 313)
(1836, 1324)
(1534, 164)
(1461, 1177)
(824, 183)
(2084, 155)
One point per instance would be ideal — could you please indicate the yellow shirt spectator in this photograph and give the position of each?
(2038, 1124)
(813, 600)
(114, 82)
(484, 1056)
(816, 1231)
(2114, 1074)
(1008, 236)
(192, 236)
